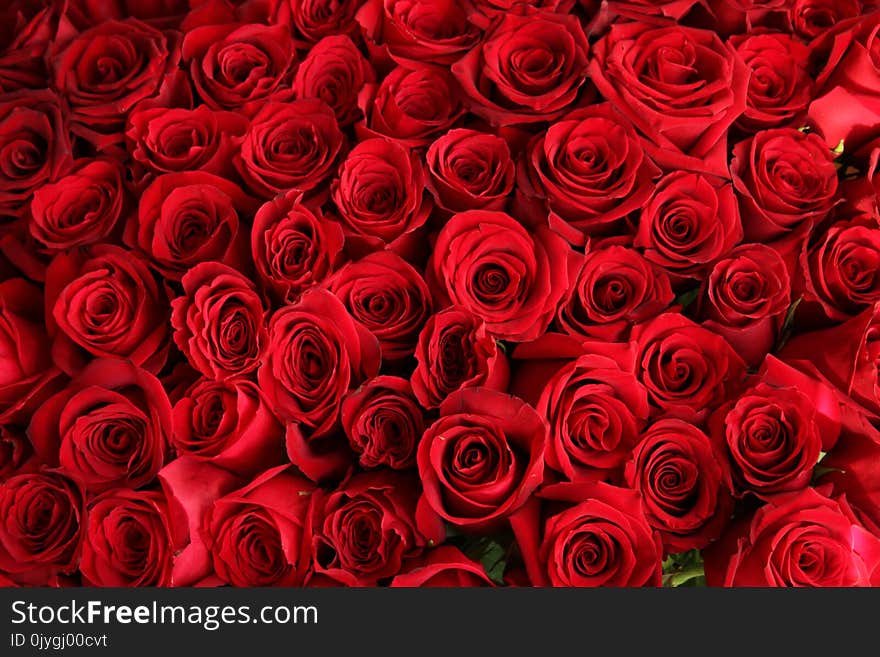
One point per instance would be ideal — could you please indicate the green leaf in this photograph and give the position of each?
(838, 150)
(687, 298)
(684, 569)
(501, 346)
(490, 551)
(787, 327)
(804, 128)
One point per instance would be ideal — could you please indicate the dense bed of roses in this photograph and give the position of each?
(440, 293)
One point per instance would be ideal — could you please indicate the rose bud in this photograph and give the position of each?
(41, 534)
(293, 246)
(334, 71)
(799, 539)
(501, 84)
(383, 423)
(455, 351)
(512, 279)
(388, 296)
(616, 289)
(106, 303)
(482, 459)
(219, 322)
(111, 426)
(588, 534)
(129, 540)
(682, 479)
(746, 298)
(589, 171)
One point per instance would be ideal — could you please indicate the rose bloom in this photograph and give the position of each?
(106, 302)
(688, 370)
(512, 279)
(105, 70)
(682, 479)
(130, 540)
(439, 32)
(388, 296)
(163, 140)
(41, 535)
(238, 67)
(482, 459)
(784, 178)
(681, 86)
(811, 18)
(111, 426)
(383, 423)
(16, 452)
(314, 19)
(335, 71)
(365, 529)
(443, 567)
(230, 424)
(187, 218)
(589, 171)
(412, 105)
(802, 538)
(34, 135)
(688, 223)
(81, 208)
(456, 351)
(470, 170)
(290, 146)
(293, 247)
(588, 534)
(615, 289)
(508, 77)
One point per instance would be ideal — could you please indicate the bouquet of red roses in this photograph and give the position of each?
(440, 292)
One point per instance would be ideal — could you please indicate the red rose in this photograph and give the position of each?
(25, 39)
(682, 87)
(41, 534)
(688, 223)
(682, 480)
(455, 351)
(470, 170)
(219, 322)
(490, 265)
(315, 19)
(780, 86)
(81, 208)
(24, 346)
(482, 459)
(334, 71)
(106, 303)
(509, 77)
(163, 140)
(746, 298)
(412, 105)
(772, 439)
(443, 567)
(290, 146)
(596, 409)
(388, 297)
(129, 540)
(687, 369)
(229, 424)
(379, 195)
(437, 32)
(841, 269)
(16, 452)
(258, 535)
(316, 353)
(383, 423)
(599, 537)
(797, 539)
(111, 426)
(293, 246)
(34, 137)
(811, 18)
(187, 218)
(106, 70)
(589, 171)
(675, 9)
(238, 67)
(366, 528)
(615, 289)
(784, 178)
